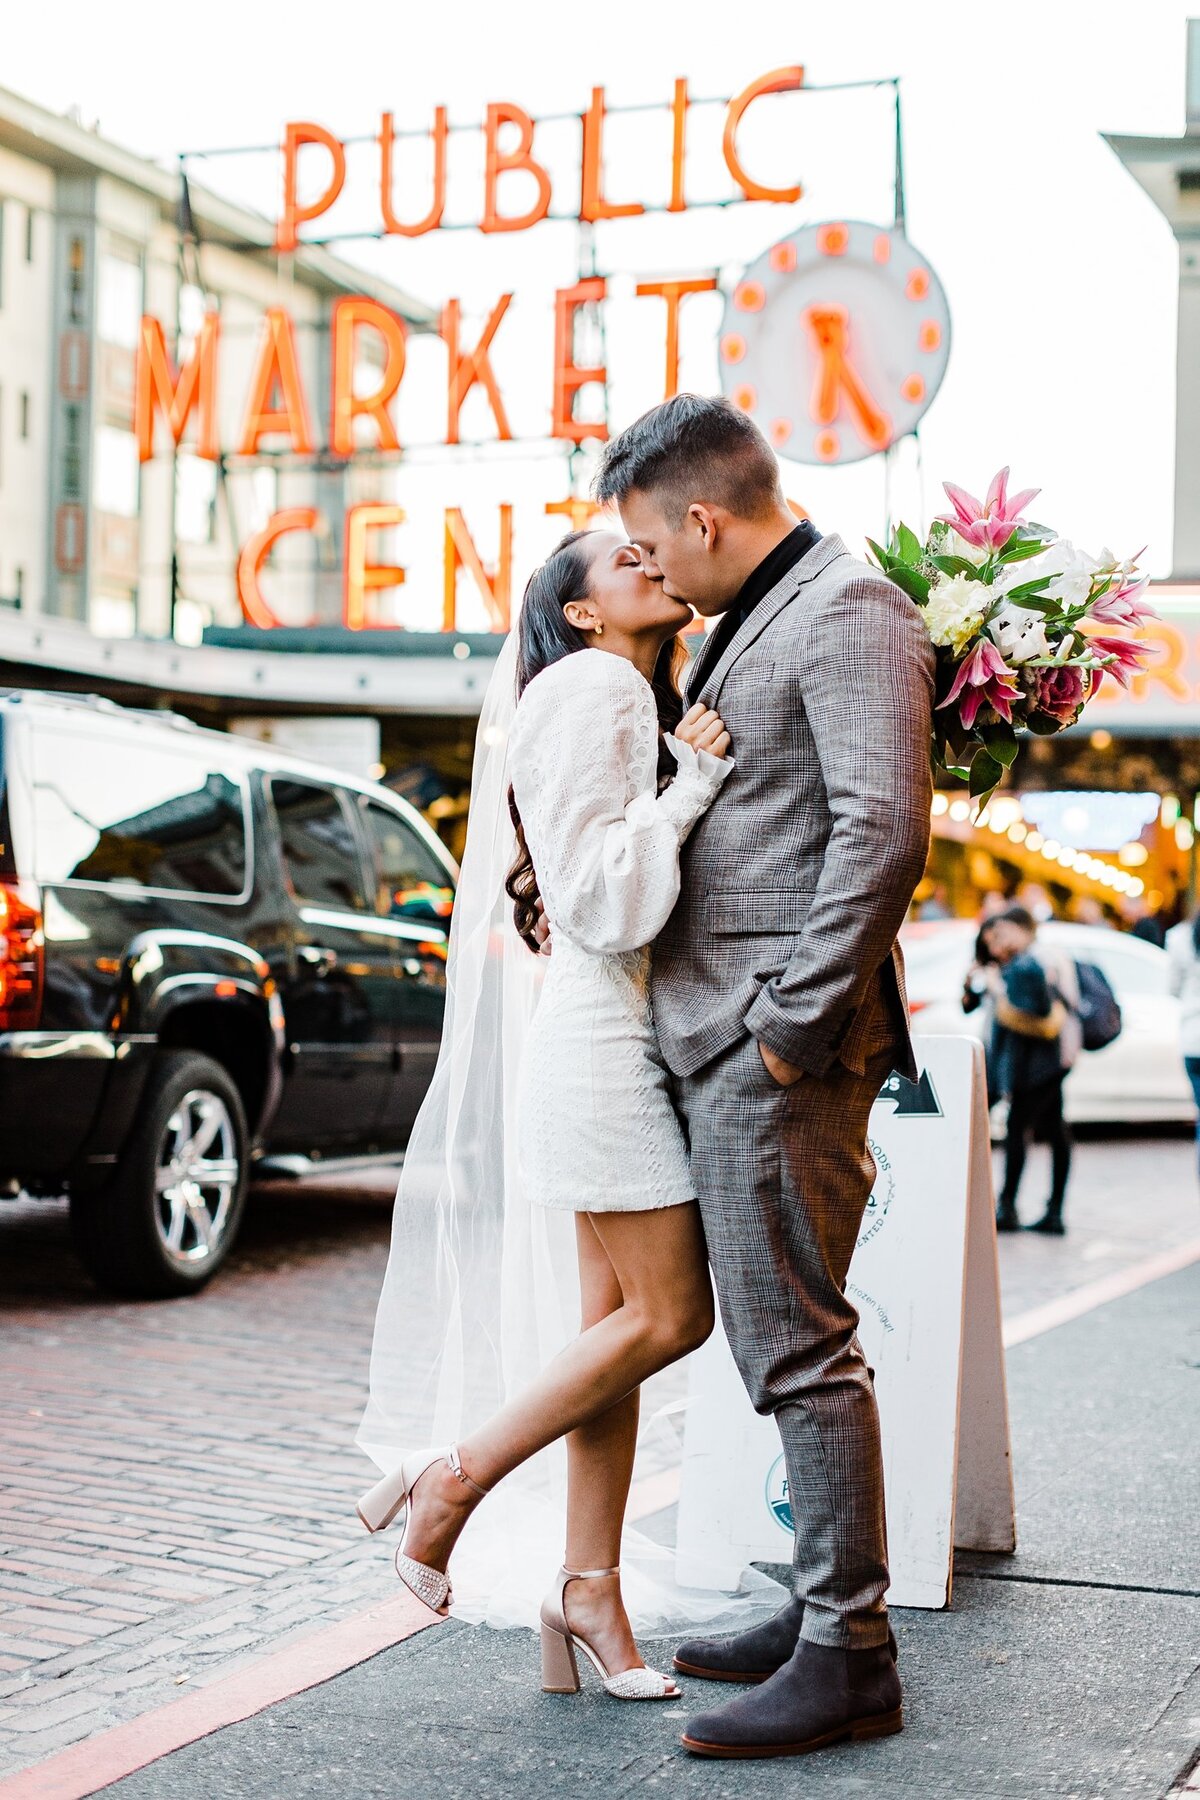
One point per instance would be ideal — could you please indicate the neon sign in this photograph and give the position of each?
(809, 344)
(517, 157)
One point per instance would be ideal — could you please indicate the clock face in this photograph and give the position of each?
(835, 341)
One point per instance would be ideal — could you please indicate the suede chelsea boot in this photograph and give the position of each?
(751, 1655)
(821, 1696)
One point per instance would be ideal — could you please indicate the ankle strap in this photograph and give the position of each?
(588, 1574)
(456, 1468)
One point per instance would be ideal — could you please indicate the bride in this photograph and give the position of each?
(603, 775)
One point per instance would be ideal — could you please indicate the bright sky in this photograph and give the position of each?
(1061, 275)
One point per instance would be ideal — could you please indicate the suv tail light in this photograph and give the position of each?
(22, 945)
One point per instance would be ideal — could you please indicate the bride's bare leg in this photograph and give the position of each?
(658, 1260)
(599, 1470)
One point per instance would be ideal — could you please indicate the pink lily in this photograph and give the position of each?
(1124, 606)
(988, 681)
(1128, 658)
(989, 526)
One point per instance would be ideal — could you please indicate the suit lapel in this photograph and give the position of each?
(708, 678)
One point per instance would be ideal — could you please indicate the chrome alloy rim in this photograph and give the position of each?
(196, 1179)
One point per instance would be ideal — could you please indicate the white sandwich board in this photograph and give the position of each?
(925, 1280)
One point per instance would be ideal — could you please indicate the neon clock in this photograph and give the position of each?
(835, 341)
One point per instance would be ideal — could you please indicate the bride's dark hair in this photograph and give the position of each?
(544, 636)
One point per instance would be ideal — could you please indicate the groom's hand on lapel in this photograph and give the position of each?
(785, 1073)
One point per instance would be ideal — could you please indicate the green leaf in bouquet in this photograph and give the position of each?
(1001, 744)
(1043, 724)
(883, 557)
(986, 774)
(1026, 594)
(953, 565)
(915, 585)
(1020, 549)
(908, 545)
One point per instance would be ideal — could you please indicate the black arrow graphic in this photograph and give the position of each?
(914, 1099)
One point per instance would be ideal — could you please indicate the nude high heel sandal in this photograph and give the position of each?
(560, 1665)
(390, 1496)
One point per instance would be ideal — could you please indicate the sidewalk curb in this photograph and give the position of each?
(96, 1762)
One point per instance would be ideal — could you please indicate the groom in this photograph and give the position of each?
(778, 994)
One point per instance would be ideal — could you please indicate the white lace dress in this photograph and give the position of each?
(598, 1131)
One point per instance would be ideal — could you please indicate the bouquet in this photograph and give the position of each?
(1021, 621)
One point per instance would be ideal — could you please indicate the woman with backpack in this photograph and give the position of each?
(1183, 979)
(1037, 1037)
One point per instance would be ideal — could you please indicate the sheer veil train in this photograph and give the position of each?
(481, 1288)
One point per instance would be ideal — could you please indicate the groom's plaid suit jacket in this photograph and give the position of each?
(797, 880)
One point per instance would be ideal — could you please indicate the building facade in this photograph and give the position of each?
(91, 238)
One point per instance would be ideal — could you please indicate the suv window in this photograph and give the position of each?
(320, 851)
(410, 881)
(114, 810)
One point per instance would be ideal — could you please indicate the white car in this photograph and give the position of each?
(1137, 1079)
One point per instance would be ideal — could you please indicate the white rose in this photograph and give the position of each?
(1019, 633)
(954, 610)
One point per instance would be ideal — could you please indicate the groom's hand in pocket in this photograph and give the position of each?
(785, 1073)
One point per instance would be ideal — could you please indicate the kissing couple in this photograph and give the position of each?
(674, 991)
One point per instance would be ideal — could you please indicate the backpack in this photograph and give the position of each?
(1099, 1012)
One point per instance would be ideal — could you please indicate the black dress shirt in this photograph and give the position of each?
(757, 585)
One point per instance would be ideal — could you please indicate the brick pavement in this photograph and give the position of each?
(176, 1478)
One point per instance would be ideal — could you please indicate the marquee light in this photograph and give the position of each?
(193, 388)
(276, 373)
(362, 577)
(346, 405)
(393, 225)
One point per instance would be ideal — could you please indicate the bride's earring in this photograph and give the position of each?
(599, 628)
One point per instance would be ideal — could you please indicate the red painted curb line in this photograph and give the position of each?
(95, 1762)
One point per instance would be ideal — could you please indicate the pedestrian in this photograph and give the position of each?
(977, 997)
(1183, 979)
(1035, 995)
(1144, 923)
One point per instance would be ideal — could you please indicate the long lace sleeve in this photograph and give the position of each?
(605, 846)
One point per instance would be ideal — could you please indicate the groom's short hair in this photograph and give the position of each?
(692, 448)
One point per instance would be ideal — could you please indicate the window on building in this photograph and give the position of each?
(264, 495)
(19, 586)
(24, 414)
(192, 307)
(119, 811)
(119, 301)
(29, 234)
(115, 472)
(112, 615)
(195, 499)
(320, 850)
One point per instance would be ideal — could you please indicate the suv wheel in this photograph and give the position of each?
(167, 1220)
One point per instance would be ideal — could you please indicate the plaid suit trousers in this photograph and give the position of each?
(783, 1176)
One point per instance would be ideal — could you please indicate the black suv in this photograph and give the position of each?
(212, 957)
